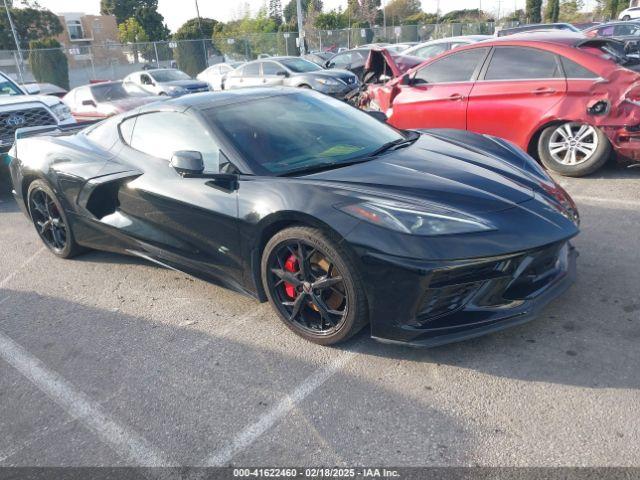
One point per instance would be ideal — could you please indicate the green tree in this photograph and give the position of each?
(552, 11)
(332, 20)
(463, 16)
(275, 11)
(291, 14)
(144, 11)
(130, 31)
(48, 62)
(533, 11)
(570, 11)
(398, 10)
(31, 24)
(192, 50)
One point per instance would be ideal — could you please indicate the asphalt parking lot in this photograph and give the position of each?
(107, 360)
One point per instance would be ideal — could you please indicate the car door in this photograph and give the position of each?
(85, 105)
(273, 74)
(515, 91)
(437, 94)
(185, 222)
(251, 75)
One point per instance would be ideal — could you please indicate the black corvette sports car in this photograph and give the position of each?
(331, 215)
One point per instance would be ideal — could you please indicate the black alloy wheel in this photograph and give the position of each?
(50, 221)
(312, 285)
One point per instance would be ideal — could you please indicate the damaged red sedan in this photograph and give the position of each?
(565, 99)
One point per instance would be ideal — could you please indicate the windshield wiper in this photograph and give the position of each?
(322, 167)
(394, 145)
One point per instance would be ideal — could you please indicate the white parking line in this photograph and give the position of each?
(8, 278)
(253, 431)
(124, 441)
(588, 199)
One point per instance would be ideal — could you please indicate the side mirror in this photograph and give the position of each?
(31, 88)
(406, 80)
(384, 78)
(378, 115)
(89, 103)
(187, 162)
(282, 73)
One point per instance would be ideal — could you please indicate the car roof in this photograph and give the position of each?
(547, 36)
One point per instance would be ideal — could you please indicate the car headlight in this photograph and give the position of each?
(424, 220)
(329, 82)
(61, 111)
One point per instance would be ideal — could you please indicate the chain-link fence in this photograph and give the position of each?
(89, 63)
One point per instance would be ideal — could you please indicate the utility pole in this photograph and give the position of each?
(300, 28)
(17, 40)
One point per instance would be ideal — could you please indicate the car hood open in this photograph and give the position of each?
(475, 179)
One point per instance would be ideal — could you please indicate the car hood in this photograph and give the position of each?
(440, 168)
(48, 100)
(188, 84)
(344, 75)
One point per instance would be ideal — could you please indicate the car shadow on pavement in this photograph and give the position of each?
(190, 390)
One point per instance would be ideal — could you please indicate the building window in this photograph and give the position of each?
(75, 30)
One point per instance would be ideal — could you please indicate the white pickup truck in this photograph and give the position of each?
(19, 109)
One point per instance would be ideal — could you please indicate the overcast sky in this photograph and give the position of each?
(176, 12)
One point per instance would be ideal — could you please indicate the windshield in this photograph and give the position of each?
(298, 131)
(300, 65)
(169, 75)
(8, 88)
(110, 91)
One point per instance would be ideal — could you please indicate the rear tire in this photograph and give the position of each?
(573, 149)
(50, 221)
(323, 298)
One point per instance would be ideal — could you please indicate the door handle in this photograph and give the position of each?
(543, 91)
(455, 97)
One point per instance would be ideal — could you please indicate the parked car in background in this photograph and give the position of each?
(355, 60)
(18, 109)
(627, 32)
(292, 72)
(564, 98)
(166, 81)
(536, 26)
(629, 13)
(214, 75)
(102, 100)
(400, 47)
(44, 89)
(434, 48)
(292, 197)
(319, 58)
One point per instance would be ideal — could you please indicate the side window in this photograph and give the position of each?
(160, 134)
(104, 134)
(515, 63)
(625, 30)
(270, 68)
(606, 31)
(340, 61)
(573, 70)
(457, 67)
(251, 70)
(145, 79)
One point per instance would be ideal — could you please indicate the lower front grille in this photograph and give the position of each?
(492, 283)
(30, 117)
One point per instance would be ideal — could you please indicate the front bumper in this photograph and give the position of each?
(429, 304)
(341, 92)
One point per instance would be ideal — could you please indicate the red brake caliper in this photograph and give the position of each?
(291, 265)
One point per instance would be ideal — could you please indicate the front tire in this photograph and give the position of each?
(626, 18)
(573, 149)
(50, 220)
(312, 282)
